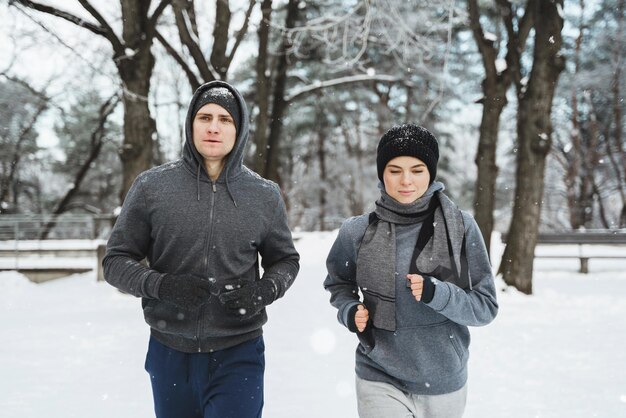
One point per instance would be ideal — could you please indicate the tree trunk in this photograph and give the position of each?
(494, 86)
(534, 130)
(590, 159)
(220, 38)
(574, 157)
(355, 191)
(487, 169)
(263, 82)
(321, 158)
(279, 104)
(136, 71)
(617, 112)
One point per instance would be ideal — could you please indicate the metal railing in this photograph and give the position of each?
(66, 226)
(74, 243)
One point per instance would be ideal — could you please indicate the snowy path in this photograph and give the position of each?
(75, 348)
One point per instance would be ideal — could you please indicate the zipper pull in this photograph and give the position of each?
(214, 188)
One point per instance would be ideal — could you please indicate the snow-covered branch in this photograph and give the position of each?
(319, 85)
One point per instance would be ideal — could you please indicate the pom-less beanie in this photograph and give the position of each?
(221, 96)
(408, 140)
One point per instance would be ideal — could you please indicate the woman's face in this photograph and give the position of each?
(406, 179)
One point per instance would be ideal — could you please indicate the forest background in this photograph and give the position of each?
(525, 97)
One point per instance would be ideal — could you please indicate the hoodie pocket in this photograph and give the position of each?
(459, 338)
(416, 353)
(169, 319)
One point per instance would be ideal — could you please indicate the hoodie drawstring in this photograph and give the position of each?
(227, 186)
(198, 182)
(229, 192)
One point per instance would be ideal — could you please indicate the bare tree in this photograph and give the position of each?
(345, 42)
(21, 106)
(263, 87)
(619, 160)
(97, 141)
(591, 153)
(534, 131)
(573, 155)
(495, 86)
(268, 142)
(202, 69)
(579, 155)
(134, 60)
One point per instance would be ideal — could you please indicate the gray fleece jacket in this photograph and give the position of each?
(428, 352)
(181, 222)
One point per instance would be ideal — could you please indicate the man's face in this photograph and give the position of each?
(214, 132)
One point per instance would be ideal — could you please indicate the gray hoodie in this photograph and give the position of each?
(181, 222)
(428, 352)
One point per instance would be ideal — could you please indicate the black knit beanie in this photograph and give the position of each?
(408, 140)
(221, 96)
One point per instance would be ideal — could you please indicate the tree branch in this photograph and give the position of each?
(118, 46)
(193, 80)
(220, 37)
(193, 45)
(152, 22)
(311, 88)
(241, 33)
(485, 47)
(42, 96)
(98, 30)
(516, 40)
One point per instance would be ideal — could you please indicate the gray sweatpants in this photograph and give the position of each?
(382, 400)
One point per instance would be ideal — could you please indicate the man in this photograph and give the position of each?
(201, 223)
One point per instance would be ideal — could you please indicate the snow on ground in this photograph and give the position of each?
(75, 347)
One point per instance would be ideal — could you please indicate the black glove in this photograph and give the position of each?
(428, 290)
(366, 337)
(185, 290)
(248, 299)
(351, 314)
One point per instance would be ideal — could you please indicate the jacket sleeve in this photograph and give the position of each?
(128, 245)
(471, 307)
(341, 278)
(279, 258)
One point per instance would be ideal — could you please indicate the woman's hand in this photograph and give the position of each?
(417, 285)
(422, 289)
(361, 317)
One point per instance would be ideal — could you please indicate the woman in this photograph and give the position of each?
(421, 267)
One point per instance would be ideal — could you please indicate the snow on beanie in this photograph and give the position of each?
(221, 96)
(408, 140)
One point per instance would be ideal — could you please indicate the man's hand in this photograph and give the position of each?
(185, 290)
(248, 299)
(422, 289)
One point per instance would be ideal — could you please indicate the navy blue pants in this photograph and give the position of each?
(222, 384)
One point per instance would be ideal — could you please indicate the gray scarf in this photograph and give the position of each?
(441, 255)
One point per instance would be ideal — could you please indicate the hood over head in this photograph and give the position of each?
(234, 160)
(223, 97)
